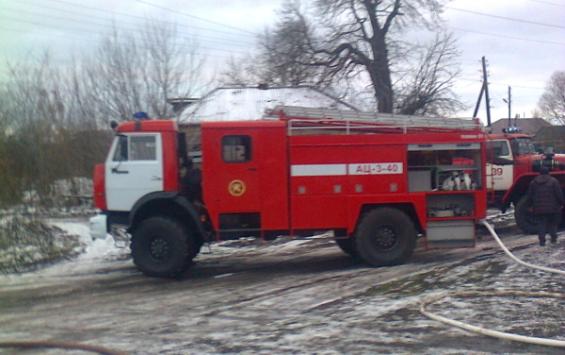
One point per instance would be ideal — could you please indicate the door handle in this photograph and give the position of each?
(252, 169)
(156, 178)
(116, 171)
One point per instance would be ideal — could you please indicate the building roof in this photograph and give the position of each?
(551, 136)
(527, 125)
(250, 103)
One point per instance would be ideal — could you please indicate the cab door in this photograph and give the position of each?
(500, 165)
(134, 168)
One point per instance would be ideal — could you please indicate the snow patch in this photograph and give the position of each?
(251, 245)
(93, 249)
(223, 275)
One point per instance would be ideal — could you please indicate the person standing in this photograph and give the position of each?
(546, 198)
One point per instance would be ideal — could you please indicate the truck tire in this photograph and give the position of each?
(347, 245)
(525, 219)
(162, 247)
(385, 236)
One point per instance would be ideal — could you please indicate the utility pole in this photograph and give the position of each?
(479, 101)
(509, 102)
(484, 90)
(485, 87)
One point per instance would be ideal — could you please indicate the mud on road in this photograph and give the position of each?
(293, 296)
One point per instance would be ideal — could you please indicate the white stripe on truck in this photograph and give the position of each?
(318, 170)
(346, 169)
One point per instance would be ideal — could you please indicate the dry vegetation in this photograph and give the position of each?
(54, 120)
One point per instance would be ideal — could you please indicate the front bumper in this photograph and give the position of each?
(98, 227)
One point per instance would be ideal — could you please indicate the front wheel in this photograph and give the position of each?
(385, 236)
(525, 218)
(162, 247)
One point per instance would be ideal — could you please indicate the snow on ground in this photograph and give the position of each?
(245, 246)
(93, 249)
(501, 219)
(287, 296)
(88, 257)
(95, 252)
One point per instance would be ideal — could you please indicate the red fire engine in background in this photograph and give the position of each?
(377, 181)
(512, 163)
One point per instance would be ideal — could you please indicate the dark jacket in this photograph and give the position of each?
(545, 195)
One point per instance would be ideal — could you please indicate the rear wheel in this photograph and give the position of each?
(347, 245)
(525, 219)
(162, 247)
(385, 236)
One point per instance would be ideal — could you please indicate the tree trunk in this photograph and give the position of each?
(380, 77)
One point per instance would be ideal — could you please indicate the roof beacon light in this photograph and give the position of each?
(512, 129)
(141, 115)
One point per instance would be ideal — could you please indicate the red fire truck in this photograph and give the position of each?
(377, 181)
(512, 163)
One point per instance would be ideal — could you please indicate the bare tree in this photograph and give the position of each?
(35, 119)
(132, 73)
(50, 116)
(552, 102)
(241, 71)
(283, 55)
(285, 50)
(361, 38)
(427, 86)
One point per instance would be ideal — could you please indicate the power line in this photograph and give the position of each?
(77, 36)
(502, 84)
(525, 87)
(123, 14)
(98, 33)
(90, 18)
(506, 18)
(547, 3)
(93, 32)
(509, 37)
(83, 22)
(195, 17)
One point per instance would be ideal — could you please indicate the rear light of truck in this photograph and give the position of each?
(99, 187)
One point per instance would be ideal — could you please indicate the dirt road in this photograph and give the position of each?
(301, 296)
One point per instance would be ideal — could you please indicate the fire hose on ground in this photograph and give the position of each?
(66, 345)
(490, 332)
(423, 310)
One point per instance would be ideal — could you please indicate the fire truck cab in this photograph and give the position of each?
(377, 181)
(512, 163)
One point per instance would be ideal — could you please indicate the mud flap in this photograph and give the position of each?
(451, 234)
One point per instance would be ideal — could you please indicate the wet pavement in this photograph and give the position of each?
(291, 296)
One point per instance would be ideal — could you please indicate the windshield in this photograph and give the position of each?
(524, 146)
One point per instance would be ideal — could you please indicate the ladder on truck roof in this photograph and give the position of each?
(306, 118)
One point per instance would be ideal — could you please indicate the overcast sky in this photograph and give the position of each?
(522, 52)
